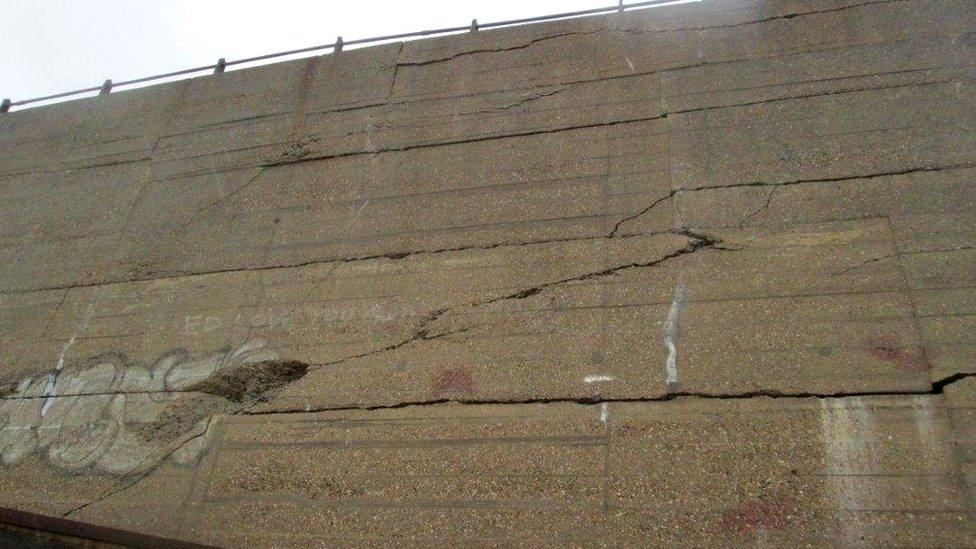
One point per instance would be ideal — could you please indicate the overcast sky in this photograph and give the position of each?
(50, 46)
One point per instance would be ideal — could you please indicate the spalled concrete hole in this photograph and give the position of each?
(249, 383)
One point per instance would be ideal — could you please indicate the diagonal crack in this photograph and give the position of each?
(393, 80)
(616, 227)
(761, 209)
(698, 241)
(614, 233)
(899, 254)
(138, 473)
(223, 199)
(526, 98)
(423, 331)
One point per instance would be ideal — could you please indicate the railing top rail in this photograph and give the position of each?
(336, 46)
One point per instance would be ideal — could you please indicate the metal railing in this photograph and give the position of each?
(222, 64)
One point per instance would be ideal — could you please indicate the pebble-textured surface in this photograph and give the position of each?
(483, 258)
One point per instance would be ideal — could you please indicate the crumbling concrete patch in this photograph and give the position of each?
(251, 383)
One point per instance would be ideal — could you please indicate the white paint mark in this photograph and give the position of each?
(597, 378)
(849, 435)
(370, 147)
(928, 429)
(53, 376)
(629, 64)
(355, 218)
(672, 332)
(604, 412)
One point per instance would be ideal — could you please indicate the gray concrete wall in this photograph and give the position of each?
(435, 292)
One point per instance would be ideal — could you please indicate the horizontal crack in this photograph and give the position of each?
(775, 184)
(490, 50)
(614, 233)
(661, 116)
(399, 255)
(393, 256)
(474, 139)
(903, 171)
(937, 388)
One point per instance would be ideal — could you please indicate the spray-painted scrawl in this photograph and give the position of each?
(107, 415)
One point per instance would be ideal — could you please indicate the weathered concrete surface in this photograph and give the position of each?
(696, 275)
(859, 470)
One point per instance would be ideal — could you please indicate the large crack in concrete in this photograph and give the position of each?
(139, 473)
(544, 131)
(777, 184)
(615, 232)
(423, 333)
(937, 388)
(43, 169)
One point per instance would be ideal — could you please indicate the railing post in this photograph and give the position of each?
(474, 25)
(220, 66)
(620, 6)
(338, 45)
(106, 87)
(5, 106)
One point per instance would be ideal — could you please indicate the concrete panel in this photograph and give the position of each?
(699, 275)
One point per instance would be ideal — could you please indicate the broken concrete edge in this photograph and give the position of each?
(84, 533)
(613, 233)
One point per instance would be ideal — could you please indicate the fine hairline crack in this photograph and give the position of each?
(137, 473)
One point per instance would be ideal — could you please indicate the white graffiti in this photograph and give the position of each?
(96, 412)
(672, 332)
